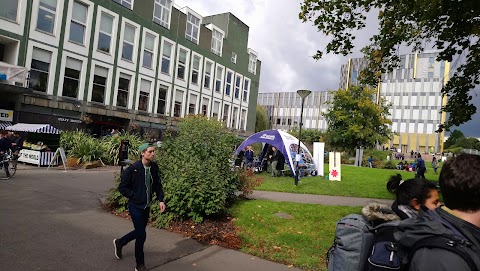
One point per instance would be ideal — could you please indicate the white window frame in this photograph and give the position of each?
(106, 86)
(252, 61)
(54, 16)
(172, 47)
(105, 33)
(226, 113)
(229, 85)
(182, 105)
(189, 36)
(218, 79)
(83, 24)
(50, 72)
(127, 2)
(80, 79)
(219, 108)
(236, 92)
(164, 8)
(234, 118)
(151, 51)
(243, 119)
(217, 42)
(246, 91)
(198, 69)
(167, 95)
(195, 103)
(16, 14)
(234, 58)
(208, 73)
(180, 64)
(129, 42)
(149, 94)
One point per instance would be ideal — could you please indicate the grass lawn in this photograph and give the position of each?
(356, 182)
(301, 241)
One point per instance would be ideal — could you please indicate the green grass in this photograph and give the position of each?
(302, 241)
(356, 182)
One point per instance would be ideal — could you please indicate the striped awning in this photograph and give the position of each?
(33, 128)
(4, 124)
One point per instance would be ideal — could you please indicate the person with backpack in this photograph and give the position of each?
(366, 242)
(447, 238)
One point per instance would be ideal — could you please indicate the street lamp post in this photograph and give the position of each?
(303, 93)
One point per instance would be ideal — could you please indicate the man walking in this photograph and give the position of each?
(137, 184)
(5, 146)
(420, 167)
(370, 161)
(450, 234)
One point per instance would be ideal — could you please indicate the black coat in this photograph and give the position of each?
(133, 186)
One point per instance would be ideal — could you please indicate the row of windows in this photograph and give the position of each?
(123, 96)
(48, 12)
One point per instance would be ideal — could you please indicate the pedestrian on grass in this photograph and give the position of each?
(435, 164)
(420, 166)
(370, 161)
(138, 183)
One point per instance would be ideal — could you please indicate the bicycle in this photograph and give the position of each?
(10, 159)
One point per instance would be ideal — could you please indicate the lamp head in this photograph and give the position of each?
(304, 93)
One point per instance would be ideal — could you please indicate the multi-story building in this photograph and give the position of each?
(102, 64)
(414, 91)
(283, 109)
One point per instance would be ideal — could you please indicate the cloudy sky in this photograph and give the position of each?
(286, 45)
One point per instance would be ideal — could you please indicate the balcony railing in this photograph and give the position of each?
(11, 74)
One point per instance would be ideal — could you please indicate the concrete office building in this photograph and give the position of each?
(283, 109)
(414, 90)
(102, 64)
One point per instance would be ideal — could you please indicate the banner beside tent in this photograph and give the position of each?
(284, 142)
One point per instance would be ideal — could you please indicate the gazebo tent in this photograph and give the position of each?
(4, 124)
(284, 142)
(33, 128)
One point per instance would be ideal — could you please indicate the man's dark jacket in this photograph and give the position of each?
(409, 231)
(133, 185)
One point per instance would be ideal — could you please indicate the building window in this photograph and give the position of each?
(195, 69)
(242, 119)
(9, 9)
(144, 95)
(39, 69)
(182, 60)
(234, 117)
(234, 58)
(246, 84)
(99, 84)
(192, 105)
(226, 109)
(128, 42)
(123, 87)
(218, 79)
(205, 106)
(238, 81)
(430, 75)
(166, 56)
(105, 33)
(217, 41)
(148, 50)
(208, 74)
(161, 12)
(71, 81)
(193, 28)
(78, 24)
(252, 63)
(228, 83)
(162, 99)
(216, 110)
(177, 107)
(46, 15)
(125, 3)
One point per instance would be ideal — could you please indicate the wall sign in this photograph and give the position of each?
(6, 115)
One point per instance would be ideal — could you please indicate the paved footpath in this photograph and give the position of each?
(52, 220)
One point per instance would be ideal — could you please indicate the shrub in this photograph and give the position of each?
(111, 147)
(196, 170)
(68, 139)
(87, 149)
(390, 165)
(247, 181)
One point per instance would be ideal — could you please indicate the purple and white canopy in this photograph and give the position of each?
(284, 142)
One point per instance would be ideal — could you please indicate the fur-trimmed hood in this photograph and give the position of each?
(379, 212)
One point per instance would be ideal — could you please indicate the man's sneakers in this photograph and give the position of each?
(118, 248)
(140, 267)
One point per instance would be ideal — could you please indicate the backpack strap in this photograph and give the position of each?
(449, 243)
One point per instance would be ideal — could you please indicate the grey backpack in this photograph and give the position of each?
(361, 245)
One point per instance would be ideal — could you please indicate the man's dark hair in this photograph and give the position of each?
(460, 183)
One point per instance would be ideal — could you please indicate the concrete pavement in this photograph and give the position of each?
(52, 220)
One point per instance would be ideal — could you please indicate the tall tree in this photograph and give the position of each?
(354, 120)
(261, 122)
(453, 26)
(453, 138)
